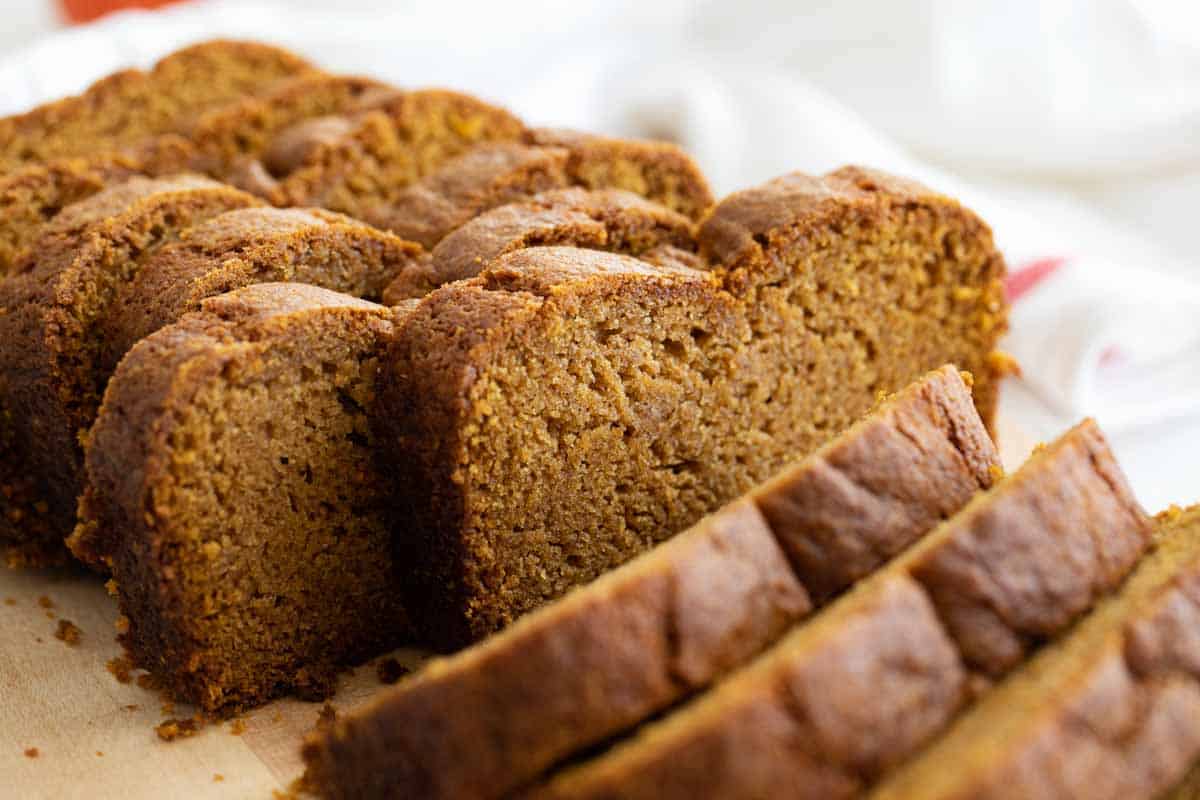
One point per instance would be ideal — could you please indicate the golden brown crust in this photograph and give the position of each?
(254, 245)
(610, 219)
(181, 475)
(130, 106)
(49, 383)
(395, 139)
(1110, 711)
(659, 171)
(869, 681)
(706, 601)
(704, 606)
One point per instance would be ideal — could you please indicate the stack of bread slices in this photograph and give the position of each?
(312, 367)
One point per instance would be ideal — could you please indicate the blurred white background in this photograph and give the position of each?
(1073, 127)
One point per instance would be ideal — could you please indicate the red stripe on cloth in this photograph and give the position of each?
(1022, 280)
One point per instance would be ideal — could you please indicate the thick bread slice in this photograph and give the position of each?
(130, 106)
(51, 380)
(869, 680)
(546, 433)
(362, 162)
(606, 219)
(877, 263)
(1110, 712)
(659, 171)
(638, 639)
(231, 472)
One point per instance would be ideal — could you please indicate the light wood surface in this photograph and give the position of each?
(63, 700)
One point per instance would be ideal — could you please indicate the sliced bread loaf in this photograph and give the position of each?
(862, 686)
(130, 106)
(638, 639)
(230, 470)
(1110, 712)
(609, 219)
(51, 378)
(549, 429)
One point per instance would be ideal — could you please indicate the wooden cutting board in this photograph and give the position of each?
(95, 737)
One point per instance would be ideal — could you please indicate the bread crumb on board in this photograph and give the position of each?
(172, 729)
(32, 752)
(237, 727)
(45, 602)
(68, 632)
(121, 669)
(391, 671)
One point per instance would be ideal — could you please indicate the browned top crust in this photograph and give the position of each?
(246, 246)
(267, 125)
(660, 171)
(396, 138)
(742, 226)
(616, 651)
(869, 681)
(1110, 711)
(611, 219)
(758, 236)
(131, 105)
(485, 177)
(48, 367)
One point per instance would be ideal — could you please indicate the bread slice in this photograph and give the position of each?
(1110, 711)
(874, 263)
(868, 681)
(252, 245)
(130, 106)
(50, 376)
(549, 430)
(608, 219)
(484, 177)
(638, 639)
(660, 171)
(230, 469)
(392, 140)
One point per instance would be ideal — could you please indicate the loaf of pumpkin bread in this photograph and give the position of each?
(637, 640)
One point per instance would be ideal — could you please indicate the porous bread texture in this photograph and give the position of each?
(484, 177)
(550, 432)
(245, 246)
(394, 139)
(862, 686)
(1111, 711)
(607, 219)
(233, 491)
(130, 106)
(50, 381)
(845, 272)
(660, 171)
(638, 639)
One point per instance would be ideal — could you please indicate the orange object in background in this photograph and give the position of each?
(88, 10)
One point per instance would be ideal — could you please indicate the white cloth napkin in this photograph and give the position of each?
(1106, 322)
